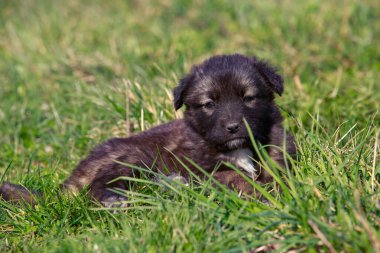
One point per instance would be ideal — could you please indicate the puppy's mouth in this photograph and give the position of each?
(235, 143)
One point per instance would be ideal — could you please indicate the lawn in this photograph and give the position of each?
(63, 70)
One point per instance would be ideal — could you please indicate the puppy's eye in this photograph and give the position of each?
(209, 105)
(248, 99)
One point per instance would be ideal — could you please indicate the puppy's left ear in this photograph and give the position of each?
(270, 76)
(180, 90)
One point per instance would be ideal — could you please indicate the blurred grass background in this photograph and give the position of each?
(62, 65)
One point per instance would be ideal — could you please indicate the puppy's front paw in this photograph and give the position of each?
(241, 158)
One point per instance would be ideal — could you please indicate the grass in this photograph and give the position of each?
(62, 66)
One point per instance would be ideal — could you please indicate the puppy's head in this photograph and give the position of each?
(222, 91)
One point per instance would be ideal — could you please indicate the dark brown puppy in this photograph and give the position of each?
(218, 95)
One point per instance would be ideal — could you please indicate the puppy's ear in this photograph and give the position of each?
(179, 91)
(270, 76)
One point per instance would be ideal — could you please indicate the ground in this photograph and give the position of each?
(64, 66)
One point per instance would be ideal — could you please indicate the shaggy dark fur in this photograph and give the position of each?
(218, 95)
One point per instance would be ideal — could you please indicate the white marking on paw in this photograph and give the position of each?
(173, 178)
(242, 159)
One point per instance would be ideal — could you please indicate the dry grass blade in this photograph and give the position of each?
(127, 85)
(321, 236)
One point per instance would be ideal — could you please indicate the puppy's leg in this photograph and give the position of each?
(234, 181)
(282, 143)
(97, 161)
(284, 140)
(101, 188)
(99, 168)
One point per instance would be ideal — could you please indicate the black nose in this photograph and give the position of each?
(233, 127)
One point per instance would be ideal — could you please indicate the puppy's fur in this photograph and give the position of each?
(218, 95)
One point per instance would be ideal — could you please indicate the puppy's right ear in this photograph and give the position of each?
(270, 76)
(180, 90)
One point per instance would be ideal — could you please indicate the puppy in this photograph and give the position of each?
(219, 94)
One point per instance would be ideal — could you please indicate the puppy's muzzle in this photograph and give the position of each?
(235, 143)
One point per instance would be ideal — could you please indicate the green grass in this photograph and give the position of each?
(62, 65)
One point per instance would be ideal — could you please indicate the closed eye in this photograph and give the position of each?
(248, 99)
(209, 105)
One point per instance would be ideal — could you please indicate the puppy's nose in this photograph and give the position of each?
(233, 127)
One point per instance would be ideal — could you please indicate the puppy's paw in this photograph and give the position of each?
(241, 158)
(178, 178)
(172, 179)
(114, 201)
